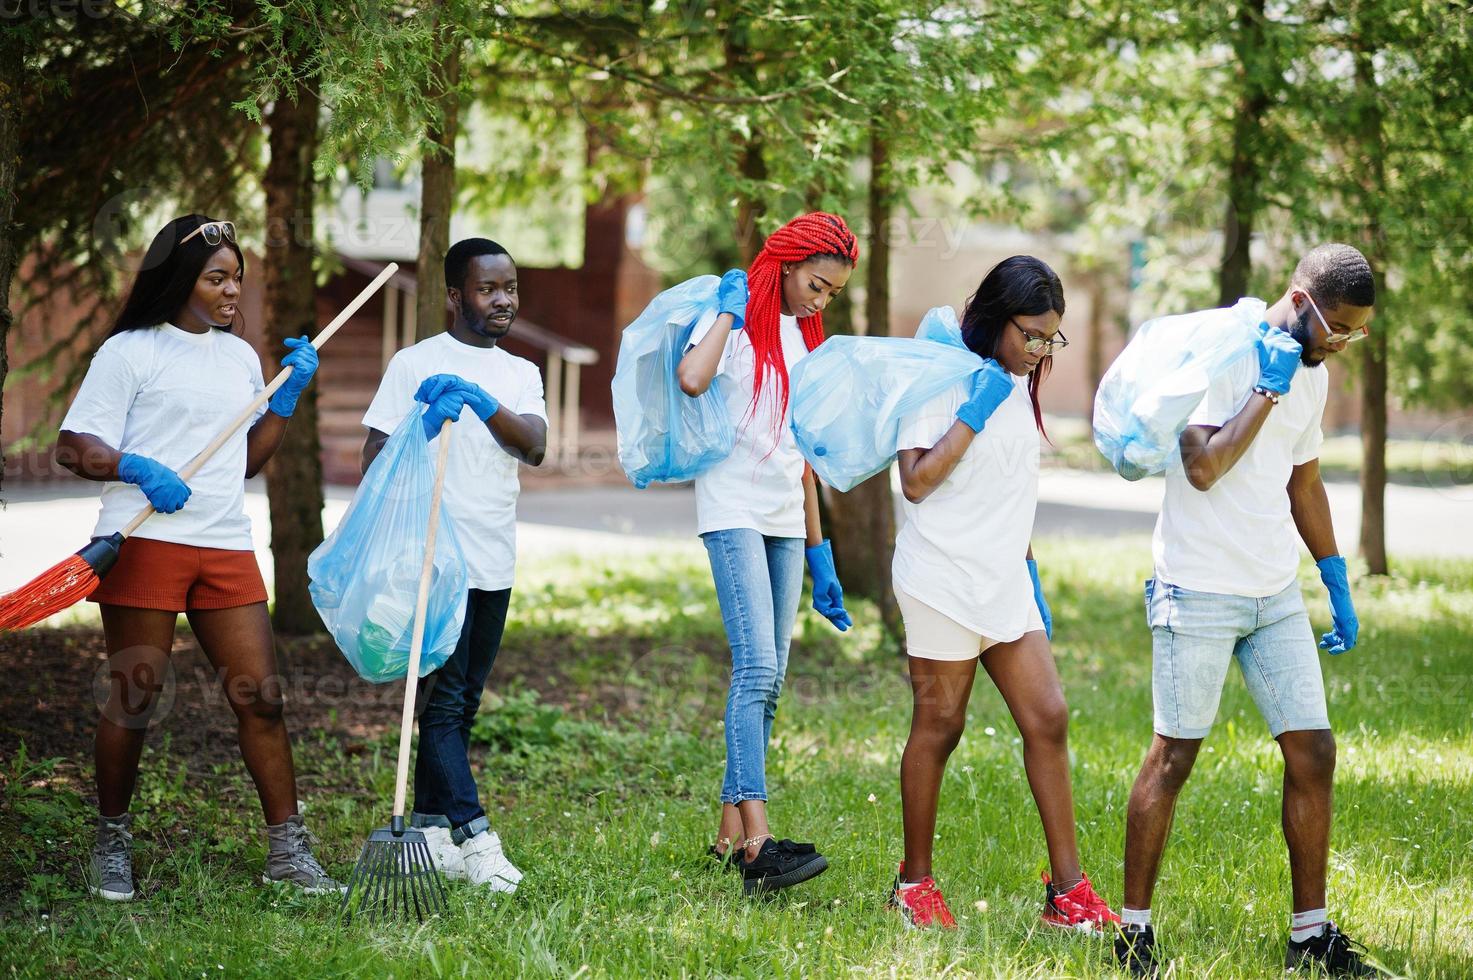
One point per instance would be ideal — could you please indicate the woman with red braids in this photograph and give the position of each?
(758, 508)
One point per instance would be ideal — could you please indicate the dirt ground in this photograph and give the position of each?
(59, 680)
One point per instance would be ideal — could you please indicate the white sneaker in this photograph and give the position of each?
(443, 852)
(486, 865)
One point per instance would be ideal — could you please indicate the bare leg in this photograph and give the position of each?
(940, 690)
(240, 646)
(754, 825)
(1025, 675)
(1148, 819)
(731, 830)
(1309, 775)
(138, 645)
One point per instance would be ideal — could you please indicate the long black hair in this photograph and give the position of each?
(1020, 285)
(167, 276)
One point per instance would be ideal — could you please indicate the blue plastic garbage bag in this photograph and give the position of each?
(365, 576)
(1144, 400)
(666, 436)
(849, 397)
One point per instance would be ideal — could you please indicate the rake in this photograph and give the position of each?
(75, 577)
(395, 875)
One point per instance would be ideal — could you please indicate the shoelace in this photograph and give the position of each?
(116, 863)
(1339, 947)
(115, 854)
(925, 900)
(299, 844)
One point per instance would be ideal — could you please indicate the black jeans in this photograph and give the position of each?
(444, 789)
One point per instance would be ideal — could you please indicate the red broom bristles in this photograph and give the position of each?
(55, 589)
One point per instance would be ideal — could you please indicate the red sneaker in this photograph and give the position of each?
(921, 904)
(1079, 908)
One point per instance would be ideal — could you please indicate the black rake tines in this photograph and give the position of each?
(394, 878)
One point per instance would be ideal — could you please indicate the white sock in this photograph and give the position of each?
(906, 886)
(1140, 918)
(1306, 925)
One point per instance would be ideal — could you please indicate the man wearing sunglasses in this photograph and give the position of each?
(1226, 588)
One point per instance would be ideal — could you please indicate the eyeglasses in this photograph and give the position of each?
(213, 232)
(1332, 336)
(1033, 344)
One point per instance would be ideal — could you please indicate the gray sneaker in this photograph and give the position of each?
(112, 859)
(289, 859)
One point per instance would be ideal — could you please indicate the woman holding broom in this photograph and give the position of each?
(756, 511)
(168, 377)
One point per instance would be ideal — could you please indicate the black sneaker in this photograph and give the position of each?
(1135, 951)
(732, 860)
(1331, 951)
(781, 864)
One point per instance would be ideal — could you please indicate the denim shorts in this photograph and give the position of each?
(1195, 634)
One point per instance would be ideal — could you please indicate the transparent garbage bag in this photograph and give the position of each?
(364, 579)
(666, 436)
(849, 397)
(1144, 400)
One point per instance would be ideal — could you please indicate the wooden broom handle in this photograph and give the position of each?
(421, 606)
(194, 465)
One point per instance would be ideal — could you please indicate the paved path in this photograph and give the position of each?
(40, 525)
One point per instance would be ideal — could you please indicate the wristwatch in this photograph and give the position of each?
(1272, 396)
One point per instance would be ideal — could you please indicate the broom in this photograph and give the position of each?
(395, 874)
(73, 579)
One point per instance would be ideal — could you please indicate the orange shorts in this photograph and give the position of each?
(179, 577)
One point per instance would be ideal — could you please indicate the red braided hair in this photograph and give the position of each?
(803, 238)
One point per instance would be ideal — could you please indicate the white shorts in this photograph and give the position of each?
(932, 635)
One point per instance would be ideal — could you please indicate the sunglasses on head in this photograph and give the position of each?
(213, 232)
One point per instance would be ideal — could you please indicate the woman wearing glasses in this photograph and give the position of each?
(968, 587)
(168, 378)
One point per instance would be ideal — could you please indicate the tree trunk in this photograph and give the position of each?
(1373, 356)
(294, 475)
(1245, 171)
(1094, 358)
(12, 72)
(750, 205)
(437, 193)
(862, 525)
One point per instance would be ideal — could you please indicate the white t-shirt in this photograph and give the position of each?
(963, 550)
(760, 485)
(1239, 538)
(164, 393)
(481, 484)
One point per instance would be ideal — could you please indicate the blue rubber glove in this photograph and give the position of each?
(828, 595)
(436, 385)
(991, 386)
(447, 394)
(731, 297)
(431, 389)
(480, 401)
(1043, 609)
(447, 406)
(301, 357)
(1342, 610)
(161, 485)
(1278, 359)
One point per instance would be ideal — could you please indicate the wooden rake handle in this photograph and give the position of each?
(417, 638)
(194, 465)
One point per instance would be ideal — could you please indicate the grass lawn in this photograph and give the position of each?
(601, 751)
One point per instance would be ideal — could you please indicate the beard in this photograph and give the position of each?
(1301, 333)
(478, 322)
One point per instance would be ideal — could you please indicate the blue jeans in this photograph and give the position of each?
(758, 582)
(1195, 635)
(444, 789)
